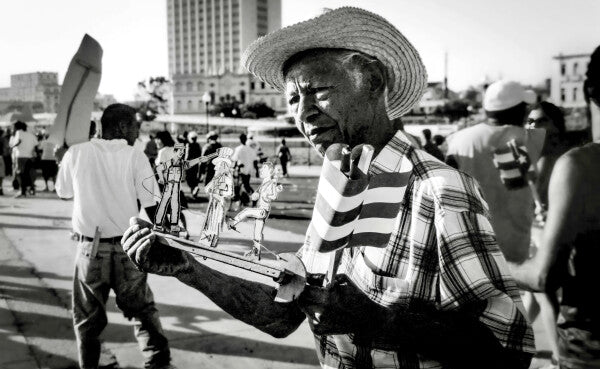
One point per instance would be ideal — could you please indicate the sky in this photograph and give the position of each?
(512, 39)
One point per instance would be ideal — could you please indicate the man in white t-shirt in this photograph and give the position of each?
(255, 145)
(472, 151)
(23, 146)
(245, 157)
(106, 178)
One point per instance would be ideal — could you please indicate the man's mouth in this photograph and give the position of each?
(319, 133)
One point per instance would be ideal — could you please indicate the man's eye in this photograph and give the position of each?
(293, 100)
(322, 93)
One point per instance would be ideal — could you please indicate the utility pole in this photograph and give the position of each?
(446, 75)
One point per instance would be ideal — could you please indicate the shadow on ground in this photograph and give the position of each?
(31, 302)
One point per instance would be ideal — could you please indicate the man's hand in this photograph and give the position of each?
(148, 255)
(340, 308)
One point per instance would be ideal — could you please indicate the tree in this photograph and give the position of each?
(154, 94)
(455, 109)
(259, 109)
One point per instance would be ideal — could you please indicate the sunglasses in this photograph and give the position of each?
(531, 123)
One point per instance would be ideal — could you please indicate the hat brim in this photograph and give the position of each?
(344, 28)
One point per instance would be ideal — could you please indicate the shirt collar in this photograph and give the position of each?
(114, 142)
(394, 156)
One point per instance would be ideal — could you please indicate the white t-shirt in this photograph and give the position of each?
(105, 178)
(25, 149)
(164, 155)
(245, 155)
(48, 150)
(512, 210)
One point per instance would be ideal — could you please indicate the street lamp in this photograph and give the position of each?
(234, 114)
(206, 100)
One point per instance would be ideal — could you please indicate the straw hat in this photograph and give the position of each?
(344, 28)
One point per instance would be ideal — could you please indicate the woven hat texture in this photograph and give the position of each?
(344, 28)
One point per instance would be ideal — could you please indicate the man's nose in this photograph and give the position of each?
(307, 110)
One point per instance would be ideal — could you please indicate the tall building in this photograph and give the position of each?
(568, 75)
(206, 40)
(37, 86)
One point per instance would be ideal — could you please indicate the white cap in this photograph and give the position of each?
(502, 95)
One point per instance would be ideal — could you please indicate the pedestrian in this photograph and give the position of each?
(3, 143)
(151, 150)
(244, 158)
(438, 293)
(106, 177)
(23, 146)
(549, 117)
(212, 145)
(285, 156)
(430, 147)
(48, 162)
(255, 145)
(472, 149)
(6, 152)
(568, 254)
(441, 143)
(165, 145)
(194, 151)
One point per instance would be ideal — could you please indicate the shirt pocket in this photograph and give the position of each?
(387, 290)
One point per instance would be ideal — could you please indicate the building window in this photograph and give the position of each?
(575, 94)
(563, 69)
(200, 85)
(562, 95)
(575, 65)
(189, 86)
(189, 105)
(252, 85)
(177, 86)
(262, 85)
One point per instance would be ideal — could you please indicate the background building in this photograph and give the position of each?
(206, 39)
(40, 87)
(568, 75)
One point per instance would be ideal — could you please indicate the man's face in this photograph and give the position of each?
(328, 103)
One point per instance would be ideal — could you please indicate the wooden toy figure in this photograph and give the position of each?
(220, 190)
(170, 175)
(264, 195)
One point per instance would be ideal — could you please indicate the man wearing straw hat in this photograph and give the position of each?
(438, 294)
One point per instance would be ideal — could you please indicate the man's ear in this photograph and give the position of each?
(123, 127)
(377, 77)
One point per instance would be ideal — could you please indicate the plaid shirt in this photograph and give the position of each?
(443, 250)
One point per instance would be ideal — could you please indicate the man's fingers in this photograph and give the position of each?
(128, 233)
(141, 253)
(135, 237)
(139, 221)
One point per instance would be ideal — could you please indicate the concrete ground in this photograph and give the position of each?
(36, 265)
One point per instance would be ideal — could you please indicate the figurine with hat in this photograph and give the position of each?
(220, 191)
(170, 174)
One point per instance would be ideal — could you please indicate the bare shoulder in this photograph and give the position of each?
(579, 161)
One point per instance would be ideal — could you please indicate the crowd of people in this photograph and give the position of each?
(489, 227)
(23, 153)
(449, 288)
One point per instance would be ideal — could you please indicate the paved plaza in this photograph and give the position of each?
(36, 265)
